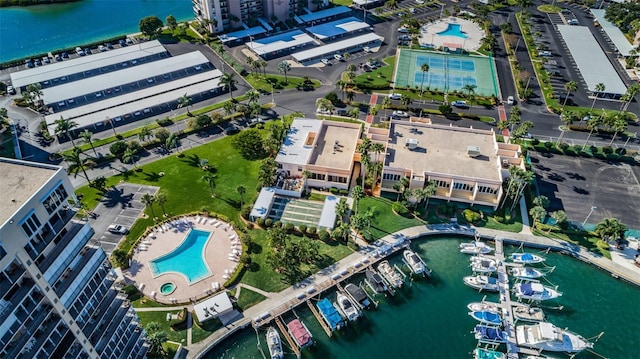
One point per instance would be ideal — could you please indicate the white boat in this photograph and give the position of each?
(346, 306)
(526, 273)
(414, 262)
(548, 337)
(490, 334)
(482, 282)
(481, 353)
(528, 314)
(483, 265)
(526, 258)
(485, 317)
(535, 291)
(393, 277)
(475, 247)
(480, 306)
(274, 343)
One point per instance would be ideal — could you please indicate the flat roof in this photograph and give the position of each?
(338, 27)
(263, 204)
(335, 145)
(613, 32)
(280, 42)
(319, 15)
(328, 215)
(365, 2)
(213, 307)
(239, 35)
(442, 150)
(20, 180)
(94, 84)
(592, 63)
(150, 101)
(336, 47)
(293, 149)
(84, 63)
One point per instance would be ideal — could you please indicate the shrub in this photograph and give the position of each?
(135, 146)
(343, 192)
(400, 209)
(323, 235)
(333, 97)
(471, 216)
(288, 227)
(118, 148)
(268, 222)
(333, 190)
(278, 224)
(260, 222)
(607, 149)
(164, 122)
(312, 230)
(302, 228)
(447, 209)
(445, 109)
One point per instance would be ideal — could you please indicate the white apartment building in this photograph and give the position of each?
(57, 286)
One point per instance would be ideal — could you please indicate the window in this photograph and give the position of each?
(485, 189)
(462, 187)
(318, 176)
(391, 177)
(58, 196)
(31, 225)
(443, 184)
(337, 179)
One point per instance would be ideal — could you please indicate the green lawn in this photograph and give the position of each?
(249, 298)
(161, 318)
(262, 83)
(584, 239)
(200, 333)
(379, 78)
(385, 221)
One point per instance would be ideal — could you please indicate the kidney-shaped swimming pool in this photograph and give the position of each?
(187, 259)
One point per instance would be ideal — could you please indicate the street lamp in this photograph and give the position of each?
(272, 98)
(588, 215)
(527, 87)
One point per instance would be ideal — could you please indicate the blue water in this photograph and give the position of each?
(38, 29)
(187, 259)
(453, 30)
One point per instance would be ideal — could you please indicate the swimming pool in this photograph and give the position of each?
(187, 259)
(453, 30)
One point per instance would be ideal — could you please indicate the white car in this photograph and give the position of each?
(323, 111)
(11, 90)
(400, 114)
(510, 100)
(338, 57)
(412, 10)
(420, 1)
(395, 96)
(118, 229)
(326, 62)
(459, 104)
(544, 53)
(366, 49)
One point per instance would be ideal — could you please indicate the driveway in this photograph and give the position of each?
(120, 205)
(575, 184)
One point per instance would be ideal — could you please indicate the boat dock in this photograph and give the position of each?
(318, 316)
(287, 337)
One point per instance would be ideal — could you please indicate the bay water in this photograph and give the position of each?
(428, 318)
(26, 31)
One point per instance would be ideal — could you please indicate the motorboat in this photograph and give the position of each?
(301, 335)
(347, 307)
(535, 291)
(358, 294)
(375, 281)
(385, 270)
(526, 258)
(274, 343)
(489, 334)
(528, 314)
(526, 273)
(414, 262)
(481, 353)
(330, 314)
(480, 306)
(482, 282)
(475, 247)
(546, 336)
(487, 317)
(483, 265)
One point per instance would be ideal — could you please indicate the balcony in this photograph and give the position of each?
(41, 334)
(62, 240)
(102, 314)
(23, 342)
(69, 274)
(102, 338)
(14, 297)
(133, 341)
(69, 346)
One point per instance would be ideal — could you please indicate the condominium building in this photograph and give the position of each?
(230, 14)
(58, 294)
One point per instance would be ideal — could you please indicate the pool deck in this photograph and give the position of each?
(216, 254)
(429, 34)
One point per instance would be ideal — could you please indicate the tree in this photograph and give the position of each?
(524, 4)
(538, 214)
(401, 186)
(386, 102)
(171, 23)
(252, 96)
(210, 179)
(120, 257)
(424, 68)
(87, 136)
(249, 144)
(541, 201)
(228, 81)
(592, 124)
(250, 62)
(610, 228)
(267, 172)
(171, 142)
(600, 87)
(350, 96)
(35, 95)
(357, 193)
(161, 199)
(514, 117)
(632, 92)
(229, 108)
(429, 190)
(342, 85)
(241, 191)
(619, 125)
(377, 148)
(560, 217)
(77, 163)
(150, 26)
(570, 86)
(284, 67)
(470, 89)
(130, 156)
(147, 199)
(63, 126)
(156, 337)
(144, 134)
(341, 209)
(185, 101)
(324, 104)
(162, 134)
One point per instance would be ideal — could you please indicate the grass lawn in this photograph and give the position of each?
(249, 298)
(161, 318)
(138, 300)
(379, 78)
(200, 332)
(385, 221)
(548, 8)
(262, 83)
(584, 239)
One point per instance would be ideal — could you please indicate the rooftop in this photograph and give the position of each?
(336, 47)
(613, 32)
(280, 42)
(241, 34)
(338, 27)
(19, 181)
(442, 149)
(322, 14)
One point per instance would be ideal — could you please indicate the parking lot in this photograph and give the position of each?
(575, 184)
(121, 205)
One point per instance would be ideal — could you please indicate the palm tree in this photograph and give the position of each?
(538, 213)
(210, 178)
(592, 124)
(342, 86)
(429, 190)
(631, 93)
(185, 101)
(524, 4)
(424, 68)
(386, 102)
(130, 156)
(401, 186)
(63, 126)
(357, 193)
(350, 96)
(241, 191)
(600, 87)
(470, 89)
(228, 81)
(144, 134)
(284, 67)
(147, 199)
(619, 125)
(251, 63)
(229, 108)
(263, 65)
(87, 136)
(377, 148)
(252, 95)
(341, 209)
(172, 142)
(161, 198)
(610, 228)
(77, 163)
(570, 87)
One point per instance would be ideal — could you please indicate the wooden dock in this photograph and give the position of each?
(319, 317)
(287, 337)
(505, 301)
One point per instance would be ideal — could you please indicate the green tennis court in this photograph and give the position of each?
(296, 211)
(447, 72)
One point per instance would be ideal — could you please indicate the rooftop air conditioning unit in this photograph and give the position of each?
(473, 151)
(411, 143)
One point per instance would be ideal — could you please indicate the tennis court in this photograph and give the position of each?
(447, 72)
(296, 211)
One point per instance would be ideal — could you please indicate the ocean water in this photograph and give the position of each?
(429, 318)
(38, 29)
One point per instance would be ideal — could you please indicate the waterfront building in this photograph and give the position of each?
(59, 299)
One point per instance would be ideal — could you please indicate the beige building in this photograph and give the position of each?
(468, 165)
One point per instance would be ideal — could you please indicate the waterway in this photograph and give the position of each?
(429, 319)
(25, 31)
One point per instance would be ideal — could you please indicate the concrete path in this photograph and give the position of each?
(526, 226)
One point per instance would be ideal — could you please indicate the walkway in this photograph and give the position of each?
(502, 117)
(372, 103)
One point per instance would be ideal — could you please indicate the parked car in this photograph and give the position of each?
(102, 48)
(231, 130)
(58, 57)
(459, 104)
(326, 62)
(65, 55)
(366, 49)
(544, 53)
(395, 96)
(254, 121)
(46, 60)
(11, 90)
(342, 112)
(323, 111)
(400, 114)
(118, 229)
(510, 100)
(338, 57)
(403, 30)
(109, 45)
(573, 22)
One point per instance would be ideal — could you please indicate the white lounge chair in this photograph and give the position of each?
(225, 276)
(205, 221)
(214, 221)
(140, 286)
(218, 224)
